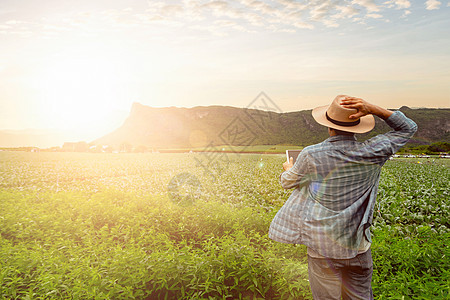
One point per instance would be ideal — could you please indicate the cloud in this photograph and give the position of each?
(215, 16)
(230, 24)
(330, 23)
(374, 16)
(254, 19)
(261, 6)
(367, 4)
(164, 11)
(302, 25)
(13, 22)
(345, 12)
(318, 12)
(212, 29)
(172, 10)
(292, 4)
(407, 12)
(432, 4)
(398, 4)
(402, 4)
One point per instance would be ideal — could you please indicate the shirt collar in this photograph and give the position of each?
(336, 138)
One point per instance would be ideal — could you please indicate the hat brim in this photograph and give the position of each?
(366, 124)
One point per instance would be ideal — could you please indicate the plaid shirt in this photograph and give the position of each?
(336, 183)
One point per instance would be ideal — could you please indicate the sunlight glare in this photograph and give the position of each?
(82, 91)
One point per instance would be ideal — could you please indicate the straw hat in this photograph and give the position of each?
(337, 117)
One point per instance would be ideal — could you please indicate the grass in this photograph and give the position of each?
(105, 226)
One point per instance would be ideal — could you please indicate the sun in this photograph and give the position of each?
(80, 91)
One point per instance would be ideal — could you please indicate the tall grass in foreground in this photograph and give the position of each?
(102, 226)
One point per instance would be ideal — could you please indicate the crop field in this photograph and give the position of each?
(194, 226)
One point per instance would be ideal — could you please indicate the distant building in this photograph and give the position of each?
(75, 147)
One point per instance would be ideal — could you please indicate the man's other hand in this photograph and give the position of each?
(288, 164)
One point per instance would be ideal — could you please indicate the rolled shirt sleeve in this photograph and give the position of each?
(390, 142)
(298, 174)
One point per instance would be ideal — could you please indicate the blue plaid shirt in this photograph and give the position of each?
(336, 183)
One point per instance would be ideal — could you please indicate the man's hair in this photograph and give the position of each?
(342, 132)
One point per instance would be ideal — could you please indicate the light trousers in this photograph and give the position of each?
(341, 278)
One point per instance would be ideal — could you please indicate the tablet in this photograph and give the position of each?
(292, 153)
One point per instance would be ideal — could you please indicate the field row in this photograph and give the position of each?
(186, 226)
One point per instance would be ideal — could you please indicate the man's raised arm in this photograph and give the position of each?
(391, 142)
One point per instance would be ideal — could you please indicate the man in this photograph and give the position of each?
(330, 211)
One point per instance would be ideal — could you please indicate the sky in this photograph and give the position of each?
(77, 66)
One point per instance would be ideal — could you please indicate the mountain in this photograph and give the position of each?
(173, 127)
(41, 138)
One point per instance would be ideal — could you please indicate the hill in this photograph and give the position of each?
(173, 127)
(31, 138)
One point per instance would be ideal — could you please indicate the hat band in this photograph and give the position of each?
(340, 123)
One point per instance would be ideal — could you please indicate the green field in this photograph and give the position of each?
(194, 226)
(254, 148)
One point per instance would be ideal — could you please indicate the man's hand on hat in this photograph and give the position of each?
(362, 106)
